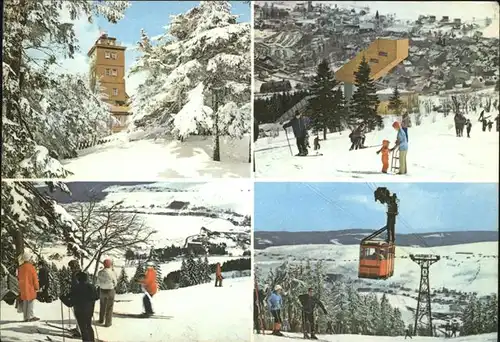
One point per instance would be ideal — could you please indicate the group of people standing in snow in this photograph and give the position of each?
(308, 303)
(300, 125)
(488, 124)
(82, 294)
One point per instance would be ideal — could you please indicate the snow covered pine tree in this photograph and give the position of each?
(203, 76)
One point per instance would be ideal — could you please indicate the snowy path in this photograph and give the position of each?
(199, 313)
(435, 153)
(160, 159)
(361, 338)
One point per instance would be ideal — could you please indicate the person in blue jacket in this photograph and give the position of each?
(299, 126)
(402, 144)
(274, 303)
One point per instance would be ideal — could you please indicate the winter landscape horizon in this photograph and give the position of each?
(192, 233)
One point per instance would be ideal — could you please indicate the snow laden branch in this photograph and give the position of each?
(45, 116)
(198, 76)
(104, 229)
(28, 214)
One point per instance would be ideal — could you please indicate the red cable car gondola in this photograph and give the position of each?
(376, 258)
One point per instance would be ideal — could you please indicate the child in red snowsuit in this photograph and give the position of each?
(385, 155)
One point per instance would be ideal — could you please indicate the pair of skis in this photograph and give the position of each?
(64, 334)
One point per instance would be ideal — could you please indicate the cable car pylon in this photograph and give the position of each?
(424, 292)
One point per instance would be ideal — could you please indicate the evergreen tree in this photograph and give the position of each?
(398, 325)
(322, 106)
(199, 95)
(135, 285)
(385, 314)
(469, 317)
(65, 280)
(364, 101)
(123, 283)
(184, 280)
(395, 103)
(54, 282)
(491, 312)
(28, 82)
(207, 277)
(191, 270)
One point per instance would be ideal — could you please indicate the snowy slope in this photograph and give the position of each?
(477, 271)
(198, 313)
(359, 338)
(434, 153)
(160, 159)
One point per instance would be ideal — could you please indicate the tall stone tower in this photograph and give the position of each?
(107, 64)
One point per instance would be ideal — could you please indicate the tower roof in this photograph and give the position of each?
(106, 41)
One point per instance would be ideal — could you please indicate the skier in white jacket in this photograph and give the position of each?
(106, 281)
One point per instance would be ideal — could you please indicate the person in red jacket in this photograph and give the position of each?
(218, 276)
(150, 288)
(28, 287)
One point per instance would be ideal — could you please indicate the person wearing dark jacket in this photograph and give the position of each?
(75, 268)
(83, 297)
(357, 137)
(258, 303)
(299, 127)
(408, 333)
(309, 302)
(468, 124)
(43, 281)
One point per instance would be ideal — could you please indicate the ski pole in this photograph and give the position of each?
(290, 147)
(62, 321)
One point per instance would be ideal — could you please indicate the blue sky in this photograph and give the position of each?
(424, 207)
(153, 16)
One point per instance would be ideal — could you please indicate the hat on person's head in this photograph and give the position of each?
(396, 125)
(277, 288)
(81, 277)
(107, 263)
(150, 263)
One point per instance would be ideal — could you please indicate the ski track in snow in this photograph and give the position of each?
(434, 153)
(361, 338)
(199, 313)
(161, 159)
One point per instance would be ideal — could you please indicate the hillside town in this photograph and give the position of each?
(444, 53)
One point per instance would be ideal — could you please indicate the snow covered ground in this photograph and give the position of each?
(124, 159)
(360, 338)
(477, 271)
(197, 313)
(434, 153)
(462, 269)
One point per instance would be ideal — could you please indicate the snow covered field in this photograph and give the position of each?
(198, 313)
(477, 271)
(434, 153)
(123, 159)
(360, 338)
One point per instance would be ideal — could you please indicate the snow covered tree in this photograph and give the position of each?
(397, 327)
(123, 283)
(395, 103)
(207, 277)
(386, 314)
(184, 280)
(322, 106)
(54, 282)
(34, 38)
(365, 101)
(27, 214)
(74, 113)
(64, 280)
(198, 76)
(491, 313)
(135, 285)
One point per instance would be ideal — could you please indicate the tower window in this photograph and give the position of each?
(107, 55)
(115, 91)
(114, 72)
(107, 72)
(113, 55)
(382, 54)
(373, 60)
